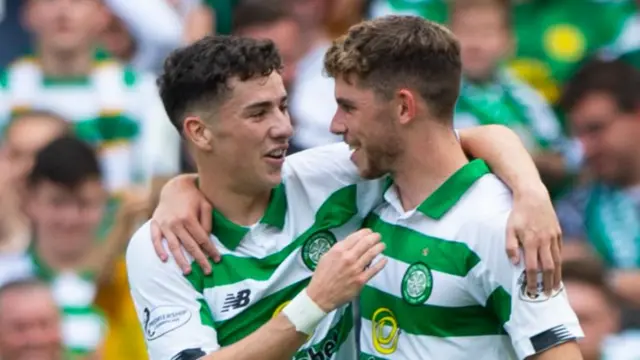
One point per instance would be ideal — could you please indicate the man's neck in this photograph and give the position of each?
(66, 64)
(426, 164)
(49, 256)
(240, 207)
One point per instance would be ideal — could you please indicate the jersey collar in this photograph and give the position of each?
(231, 234)
(450, 192)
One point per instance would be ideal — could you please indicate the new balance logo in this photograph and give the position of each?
(236, 301)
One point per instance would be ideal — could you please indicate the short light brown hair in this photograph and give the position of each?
(400, 51)
(504, 6)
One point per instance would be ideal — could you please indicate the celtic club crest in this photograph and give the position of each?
(417, 284)
(317, 245)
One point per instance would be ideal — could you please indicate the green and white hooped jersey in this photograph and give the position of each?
(448, 290)
(263, 267)
(115, 108)
(83, 325)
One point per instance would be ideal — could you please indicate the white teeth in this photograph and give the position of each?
(277, 153)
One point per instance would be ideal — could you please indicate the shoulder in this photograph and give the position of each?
(141, 259)
(483, 214)
(330, 163)
(323, 171)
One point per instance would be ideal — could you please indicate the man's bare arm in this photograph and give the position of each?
(565, 351)
(277, 339)
(533, 222)
(505, 153)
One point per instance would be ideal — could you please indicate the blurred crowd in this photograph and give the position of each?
(86, 143)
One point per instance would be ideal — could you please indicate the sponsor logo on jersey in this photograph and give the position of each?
(384, 331)
(539, 295)
(236, 300)
(163, 319)
(317, 245)
(323, 350)
(417, 284)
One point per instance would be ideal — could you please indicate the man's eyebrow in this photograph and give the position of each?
(265, 104)
(258, 105)
(345, 102)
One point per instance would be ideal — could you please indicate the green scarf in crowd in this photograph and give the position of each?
(613, 226)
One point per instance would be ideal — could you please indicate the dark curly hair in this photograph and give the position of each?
(196, 76)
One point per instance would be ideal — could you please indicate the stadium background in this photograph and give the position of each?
(552, 41)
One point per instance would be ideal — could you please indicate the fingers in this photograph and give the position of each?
(198, 235)
(192, 247)
(366, 259)
(156, 239)
(512, 246)
(350, 241)
(556, 253)
(531, 262)
(373, 270)
(202, 230)
(548, 267)
(364, 244)
(174, 247)
(206, 219)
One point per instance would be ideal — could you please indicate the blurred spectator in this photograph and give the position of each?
(25, 135)
(65, 202)
(30, 326)
(597, 308)
(602, 102)
(110, 105)
(142, 33)
(14, 40)
(491, 95)
(554, 37)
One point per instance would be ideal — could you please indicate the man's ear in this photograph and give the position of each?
(197, 133)
(406, 106)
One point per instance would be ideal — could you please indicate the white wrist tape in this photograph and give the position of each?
(303, 313)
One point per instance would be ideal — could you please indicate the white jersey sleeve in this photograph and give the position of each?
(534, 323)
(176, 321)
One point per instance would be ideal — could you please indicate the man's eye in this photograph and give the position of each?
(258, 114)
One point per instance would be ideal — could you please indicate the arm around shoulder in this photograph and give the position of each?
(177, 320)
(540, 326)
